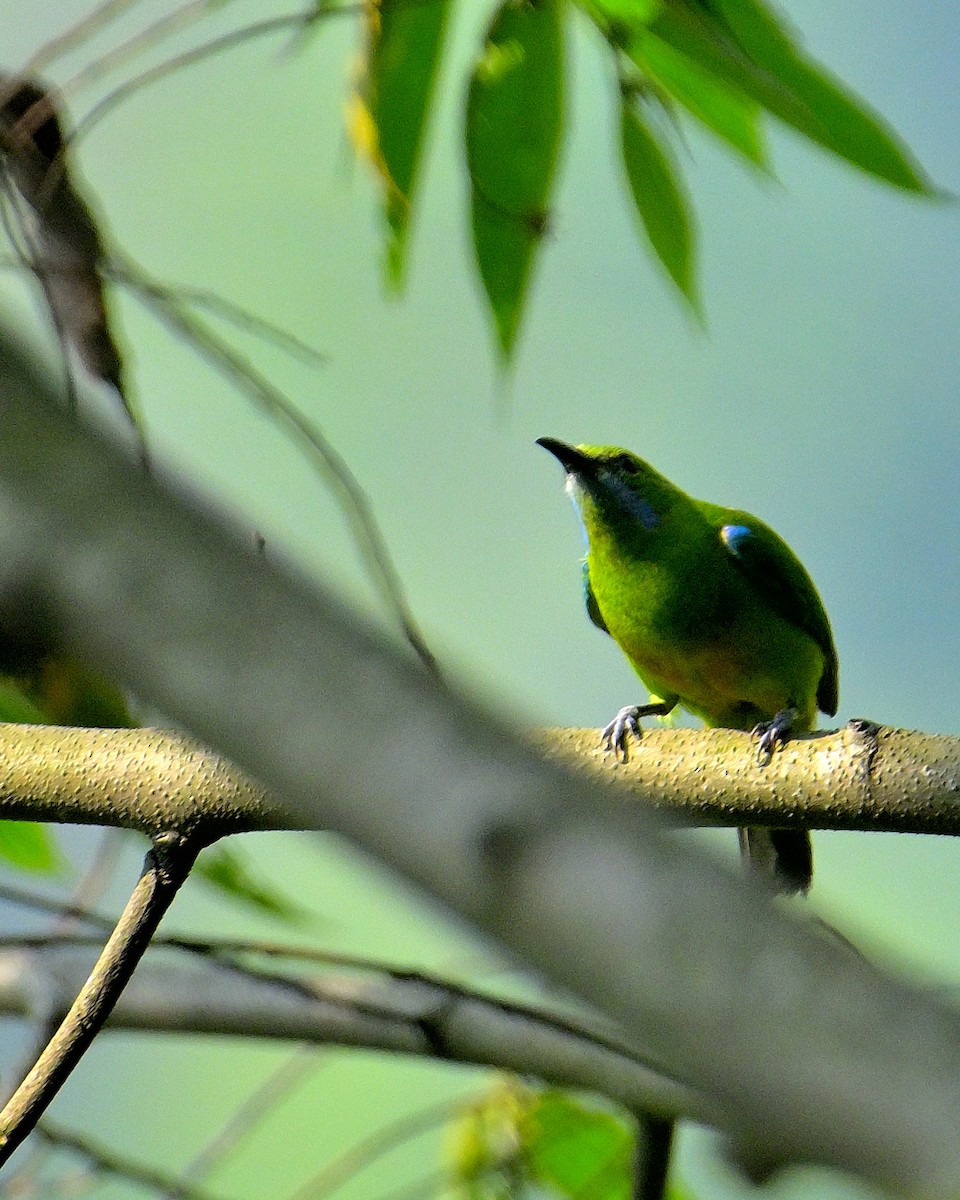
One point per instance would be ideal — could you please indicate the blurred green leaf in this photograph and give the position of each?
(743, 44)
(660, 200)
(514, 125)
(18, 708)
(29, 847)
(838, 120)
(614, 13)
(724, 109)
(57, 690)
(403, 47)
(521, 1143)
(485, 1143)
(226, 871)
(578, 1151)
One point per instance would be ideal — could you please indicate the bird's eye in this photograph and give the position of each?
(625, 464)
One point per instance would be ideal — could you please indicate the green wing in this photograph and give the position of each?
(779, 577)
(593, 609)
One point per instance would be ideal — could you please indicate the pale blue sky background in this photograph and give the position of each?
(822, 397)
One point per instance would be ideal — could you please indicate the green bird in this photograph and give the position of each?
(715, 613)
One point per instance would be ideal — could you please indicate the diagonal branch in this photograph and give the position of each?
(165, 868)
(110, 1162)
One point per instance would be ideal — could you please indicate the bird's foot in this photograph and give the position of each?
(773, 733)
(616, 735)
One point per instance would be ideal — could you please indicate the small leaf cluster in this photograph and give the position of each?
(727, 65)
(522, 1141)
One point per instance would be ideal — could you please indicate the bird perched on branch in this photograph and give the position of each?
(714, 612)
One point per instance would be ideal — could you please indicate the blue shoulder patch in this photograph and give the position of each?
(734, 537)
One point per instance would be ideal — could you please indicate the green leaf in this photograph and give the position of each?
(723, 109)
(745, 47)
(514, 125)
(29, 847)
(226, 871)
(60, 691)
(839, 121)
(17, 708)
(578, 1151)
(619, 14)
(484, 1144)
(404, 43)
(522, 1143)
(660, 200)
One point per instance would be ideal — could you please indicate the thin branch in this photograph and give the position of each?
(227, 41)
(95, 880)
(165, 868)
(326, 459)
(65, 910)
(445, 1022)
(335, 1174)
(110, 1162)
(437, 997)
(240, 1125)
(76, 34)
(151, 35)
(651, 1158)
(241, 318)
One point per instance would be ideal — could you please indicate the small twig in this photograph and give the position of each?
(68, 917)
(109, 1162)
(76, 34)
(261, 1101)
(153, 34)
(330, 463)
(65, 910)
(165, 868)
(651, 1158)
(95, 880)
(382, 1141)
(249, 322)
(227, 41)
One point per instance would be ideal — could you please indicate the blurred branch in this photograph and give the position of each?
(413, 1015)
(105, 1161)
(699, 967)
(863, 777)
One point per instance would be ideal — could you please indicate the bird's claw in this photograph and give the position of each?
(616, 735)
(772, 734)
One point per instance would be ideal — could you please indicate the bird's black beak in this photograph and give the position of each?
(570, 458)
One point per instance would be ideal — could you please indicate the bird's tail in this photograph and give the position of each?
(784, 856)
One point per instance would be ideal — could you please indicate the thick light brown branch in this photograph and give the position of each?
(862, 777)
(857, 778)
